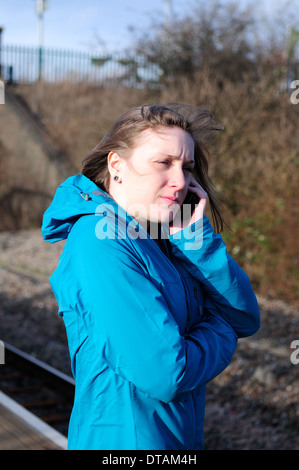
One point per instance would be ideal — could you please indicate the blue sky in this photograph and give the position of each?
(83, 24)
(78, 23)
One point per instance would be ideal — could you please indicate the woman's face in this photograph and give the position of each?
(155, 176)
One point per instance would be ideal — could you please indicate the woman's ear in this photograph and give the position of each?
(114, 163)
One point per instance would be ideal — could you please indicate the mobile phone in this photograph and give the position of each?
(191, 200)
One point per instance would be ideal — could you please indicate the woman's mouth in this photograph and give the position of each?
(170, 200)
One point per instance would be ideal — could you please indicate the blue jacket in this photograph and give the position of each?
(147, 329)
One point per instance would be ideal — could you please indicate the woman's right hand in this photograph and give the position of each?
(180, 223)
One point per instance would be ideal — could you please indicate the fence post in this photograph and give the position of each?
(40, 63)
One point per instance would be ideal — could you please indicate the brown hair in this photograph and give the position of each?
(123, 136)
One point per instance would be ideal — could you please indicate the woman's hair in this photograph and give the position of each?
(123, 136)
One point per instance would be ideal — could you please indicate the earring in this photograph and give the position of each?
(115, 178)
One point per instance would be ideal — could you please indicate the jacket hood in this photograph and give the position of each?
(76, 197)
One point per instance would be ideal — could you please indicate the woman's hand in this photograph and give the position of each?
(184, 218)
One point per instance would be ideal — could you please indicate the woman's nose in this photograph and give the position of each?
(177, 179)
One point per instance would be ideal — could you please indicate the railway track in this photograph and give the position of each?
(41, 389)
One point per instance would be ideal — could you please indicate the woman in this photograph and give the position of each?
(152, 303)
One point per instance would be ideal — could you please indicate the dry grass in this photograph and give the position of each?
(78, 115)
(254, 162)
(255, 165)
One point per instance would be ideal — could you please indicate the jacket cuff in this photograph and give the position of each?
(191, 238)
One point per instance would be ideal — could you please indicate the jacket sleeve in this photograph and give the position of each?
(129, 322)
(226, 285)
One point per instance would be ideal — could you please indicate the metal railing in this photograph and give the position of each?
(23, 64)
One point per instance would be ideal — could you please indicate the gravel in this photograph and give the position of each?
(253, 404)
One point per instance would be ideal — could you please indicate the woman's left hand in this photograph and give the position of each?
(179, 223)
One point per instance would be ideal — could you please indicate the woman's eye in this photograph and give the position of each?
(167, 163)
(188, 169)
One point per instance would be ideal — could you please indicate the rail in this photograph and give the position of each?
(38, 387)
(20, 64)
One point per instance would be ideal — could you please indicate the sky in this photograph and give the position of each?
(79, 24)
(92, 25)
